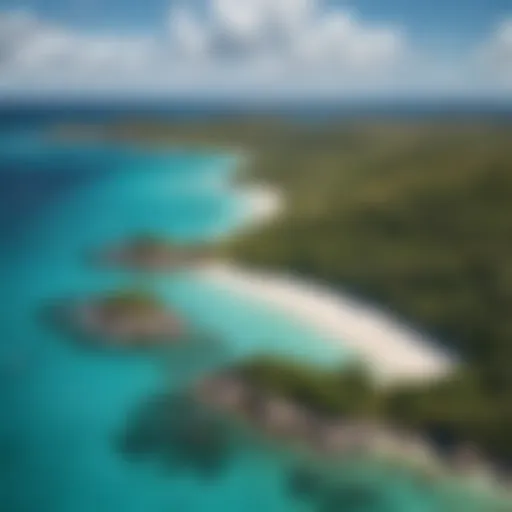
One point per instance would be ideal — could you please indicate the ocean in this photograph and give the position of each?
(68, 410)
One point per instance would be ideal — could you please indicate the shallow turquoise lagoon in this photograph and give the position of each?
(64, 407)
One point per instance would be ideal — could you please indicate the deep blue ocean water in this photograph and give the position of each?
(65, 407)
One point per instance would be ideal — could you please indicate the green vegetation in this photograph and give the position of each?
(450, 411)
(414, 216)
(325, 392)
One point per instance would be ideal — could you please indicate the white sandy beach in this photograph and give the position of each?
(263, 203)
(394, 352)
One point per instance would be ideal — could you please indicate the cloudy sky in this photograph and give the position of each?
(257, 48)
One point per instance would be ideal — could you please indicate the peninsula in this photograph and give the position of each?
(340, 414)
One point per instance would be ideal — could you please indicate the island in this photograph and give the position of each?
(128, 319)
(152, 253)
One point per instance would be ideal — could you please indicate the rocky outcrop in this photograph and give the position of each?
(125, 319)
(151, 254)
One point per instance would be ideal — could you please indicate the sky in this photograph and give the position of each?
(257, 48)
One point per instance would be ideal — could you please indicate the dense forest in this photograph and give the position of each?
(413, 216)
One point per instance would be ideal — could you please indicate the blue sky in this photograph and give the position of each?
(316, 47)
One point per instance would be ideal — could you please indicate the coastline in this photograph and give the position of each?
(310, 304)
(262, 203)
(330, 442)
(393, 352)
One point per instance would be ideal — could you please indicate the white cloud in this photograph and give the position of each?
(341, 42)
(276, 38)
(32, 48)
(495, 56)
(291, 32)
(187, 35)
(260, 46)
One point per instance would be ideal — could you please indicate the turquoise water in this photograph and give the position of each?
(65, 407)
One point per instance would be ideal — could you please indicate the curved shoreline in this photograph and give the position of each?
(393, 352)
